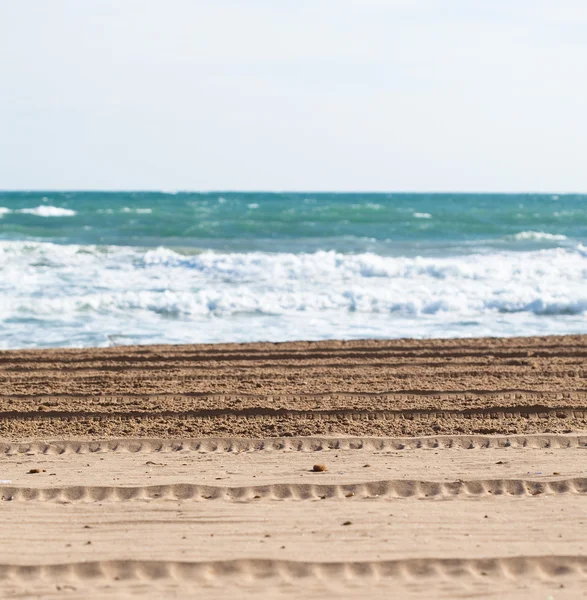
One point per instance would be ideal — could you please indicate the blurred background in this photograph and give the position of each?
(441, 144)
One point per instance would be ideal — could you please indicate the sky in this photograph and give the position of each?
(309, 95)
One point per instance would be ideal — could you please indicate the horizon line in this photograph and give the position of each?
(286, 191)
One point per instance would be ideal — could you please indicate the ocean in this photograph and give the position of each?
(110, 268)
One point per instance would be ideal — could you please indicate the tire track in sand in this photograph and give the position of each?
(382, 490)
(519, 568)
(291, 444)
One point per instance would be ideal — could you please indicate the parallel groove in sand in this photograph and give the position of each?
(401, 387)
(539, 411)
(261, 570)
(382, 490)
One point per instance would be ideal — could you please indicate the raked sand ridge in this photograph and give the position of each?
(453, 468)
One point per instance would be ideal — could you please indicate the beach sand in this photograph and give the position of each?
(452, 469)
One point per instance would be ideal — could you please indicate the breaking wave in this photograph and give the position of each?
(154, 295)
(47, 211)
(538, 236)
(167, 282)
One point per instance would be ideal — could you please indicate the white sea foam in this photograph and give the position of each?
(163, 295)
(421, 215)
(4, 211)
(48, 211)
(371, 205)
(538, 236)
(138, 211)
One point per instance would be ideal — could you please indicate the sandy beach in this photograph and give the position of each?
(438, 468)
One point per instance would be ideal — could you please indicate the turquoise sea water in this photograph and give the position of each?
(93, 268)
(228, 221)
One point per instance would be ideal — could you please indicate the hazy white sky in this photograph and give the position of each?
(390, 95)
